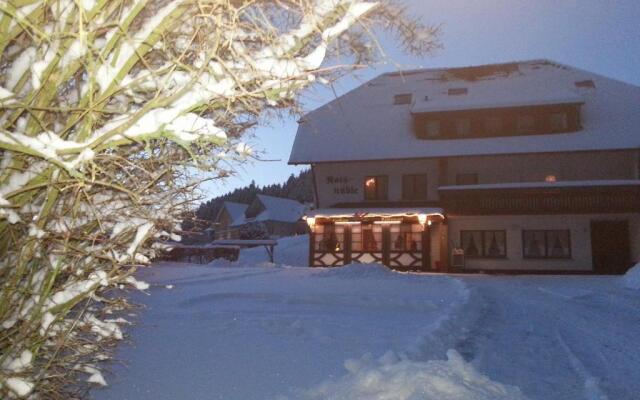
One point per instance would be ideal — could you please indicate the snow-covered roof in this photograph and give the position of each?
(276, 209)
(373, 212)
(235, 211)
(364, 124)
(280, 209)
(558, 184)
(483, 97)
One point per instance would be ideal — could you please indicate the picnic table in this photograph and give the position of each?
(224, 248)
(269, 244)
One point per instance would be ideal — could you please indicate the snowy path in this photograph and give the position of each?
(554, 337)
(265, 332)
(245, 331)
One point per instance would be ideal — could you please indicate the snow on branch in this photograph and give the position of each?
(106, 109)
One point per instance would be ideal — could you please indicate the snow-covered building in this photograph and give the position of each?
(231, 214)
(522, 166)
(276, 216)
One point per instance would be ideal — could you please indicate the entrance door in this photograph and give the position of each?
(610, 247)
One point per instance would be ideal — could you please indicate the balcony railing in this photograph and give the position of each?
(561, 200)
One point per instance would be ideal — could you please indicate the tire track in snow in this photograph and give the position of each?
(591, 389)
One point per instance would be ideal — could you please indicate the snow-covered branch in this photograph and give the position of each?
(105, 108)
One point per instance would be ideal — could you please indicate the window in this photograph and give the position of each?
(329, 238)
(558, 122)
(376, 187)
(432, 129)
(406, 237)
(414, 187)
(404, 98)
(546, 244)
(370, 238)
(526, 124)
(484, 244)
(462, 127)
(466, 179)
(585, 84)
(457, 91)
(493, 125)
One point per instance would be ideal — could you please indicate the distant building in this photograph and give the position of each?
(231, 214)
(274, 216)
(524, 166)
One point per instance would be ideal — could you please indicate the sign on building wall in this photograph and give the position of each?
(342, 185)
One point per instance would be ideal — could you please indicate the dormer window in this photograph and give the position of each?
(558, 122)
(462, 127)
(497, 122)
(404, 98)
(493, 125)
(526, 124)
(457, 91)
(432, 129)
(589, 84)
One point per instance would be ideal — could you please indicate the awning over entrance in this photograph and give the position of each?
(399, 237)
(374, 212)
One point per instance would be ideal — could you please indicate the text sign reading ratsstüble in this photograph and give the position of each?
(341, 185)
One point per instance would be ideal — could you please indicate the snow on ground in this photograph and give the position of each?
(555, 337)
(241, 331)
(255, 330)
(631, 279)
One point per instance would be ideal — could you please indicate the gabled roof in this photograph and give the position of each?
(279, 209)
(235, 211)
(364, 124)
(275, 209)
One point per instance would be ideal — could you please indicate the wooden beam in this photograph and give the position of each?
(312, 239)
(426, 248)
(444, 246)
(386, 244)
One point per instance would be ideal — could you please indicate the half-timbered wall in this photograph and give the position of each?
(403, 245)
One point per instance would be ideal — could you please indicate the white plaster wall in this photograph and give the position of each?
(579, 225)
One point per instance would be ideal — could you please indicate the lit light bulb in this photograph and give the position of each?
(311, 221)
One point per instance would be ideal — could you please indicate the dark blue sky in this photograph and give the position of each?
(601, 36)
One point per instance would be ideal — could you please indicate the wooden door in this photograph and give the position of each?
(610, 247)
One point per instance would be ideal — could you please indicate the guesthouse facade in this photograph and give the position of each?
(519, 167)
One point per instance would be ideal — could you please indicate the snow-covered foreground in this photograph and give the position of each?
(562, 337)
(250, 330)
(242, 331)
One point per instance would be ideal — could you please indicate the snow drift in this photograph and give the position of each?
(391, 378)
(631, 279)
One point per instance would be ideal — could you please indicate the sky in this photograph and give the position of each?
(602, 36)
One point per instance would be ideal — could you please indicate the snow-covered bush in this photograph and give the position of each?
(107, 107)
